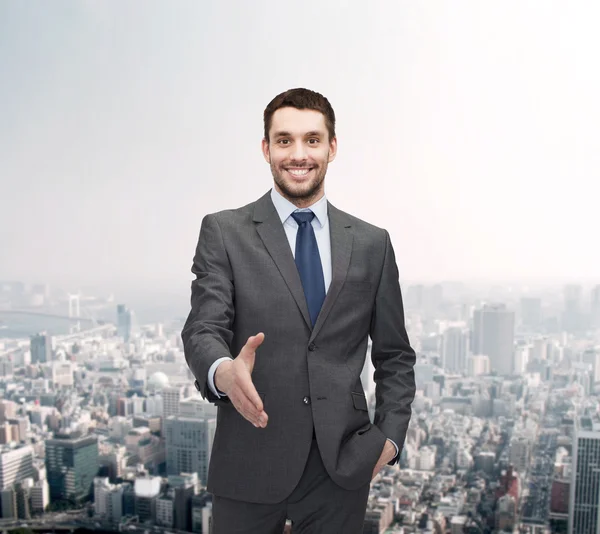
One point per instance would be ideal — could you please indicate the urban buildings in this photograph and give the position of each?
(41, 348)
(584, 505)
(72, 463)
(493, 336)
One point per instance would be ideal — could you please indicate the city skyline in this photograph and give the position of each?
(492, 442)
(468, 136)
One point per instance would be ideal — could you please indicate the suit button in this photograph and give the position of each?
(306, 400)
(311, 347)
(197, 385)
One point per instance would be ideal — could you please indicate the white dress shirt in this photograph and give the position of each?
(320, 224)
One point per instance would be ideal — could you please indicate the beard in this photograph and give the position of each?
(304, 191)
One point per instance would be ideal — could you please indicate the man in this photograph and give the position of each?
(287, 291)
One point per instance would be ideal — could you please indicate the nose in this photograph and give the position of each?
(298, 152)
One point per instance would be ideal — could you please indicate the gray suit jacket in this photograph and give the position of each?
(247, 282)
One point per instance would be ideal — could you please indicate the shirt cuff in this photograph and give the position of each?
(394, 444)
(211, 377)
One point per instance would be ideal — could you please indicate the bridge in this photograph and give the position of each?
(36, 313)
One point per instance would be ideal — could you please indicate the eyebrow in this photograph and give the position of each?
(308, 134)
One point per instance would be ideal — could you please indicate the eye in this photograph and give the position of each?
(283, 141)
(313, 141)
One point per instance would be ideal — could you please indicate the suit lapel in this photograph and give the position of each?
(340, 232)
(273, 236)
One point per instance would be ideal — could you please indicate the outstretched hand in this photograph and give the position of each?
(234, 379)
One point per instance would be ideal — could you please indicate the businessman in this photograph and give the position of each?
(287, 291)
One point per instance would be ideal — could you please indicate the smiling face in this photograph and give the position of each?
(298, 150)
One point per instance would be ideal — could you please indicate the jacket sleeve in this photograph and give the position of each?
(207, 333)
(392, 356)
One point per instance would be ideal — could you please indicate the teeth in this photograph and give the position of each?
(298, 172)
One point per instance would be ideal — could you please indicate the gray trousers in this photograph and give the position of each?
(316, 506)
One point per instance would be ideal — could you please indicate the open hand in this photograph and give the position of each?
(234, 379)
(389, 451)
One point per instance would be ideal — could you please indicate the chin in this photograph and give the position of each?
(300, 192)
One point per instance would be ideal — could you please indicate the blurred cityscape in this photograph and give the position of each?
(102, 429)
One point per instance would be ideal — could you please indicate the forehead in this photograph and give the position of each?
(297, 121)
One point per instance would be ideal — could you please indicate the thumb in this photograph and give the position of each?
(251, 345)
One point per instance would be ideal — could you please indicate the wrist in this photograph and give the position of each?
(220, 380)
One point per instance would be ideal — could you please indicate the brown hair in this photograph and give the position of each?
(301, 99)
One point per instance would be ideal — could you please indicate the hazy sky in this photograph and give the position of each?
(470, 130)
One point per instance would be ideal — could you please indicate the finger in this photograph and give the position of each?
(249, 411)
(249, 391)
(258, 421)
(253, 343)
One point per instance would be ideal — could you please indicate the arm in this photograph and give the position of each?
(207, 333)
(392, 355)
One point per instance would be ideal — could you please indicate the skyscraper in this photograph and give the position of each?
(494, 335)
(455, 346)
(172, 397)
(40, 346)
(584, 501)
(188, 443)
(124, 316)
(71, 464)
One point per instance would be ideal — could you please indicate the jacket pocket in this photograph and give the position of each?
(360, 401)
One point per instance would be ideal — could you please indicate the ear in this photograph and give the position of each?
(265, 150)
(332, 149)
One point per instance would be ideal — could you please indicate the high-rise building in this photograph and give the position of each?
(172, 397)
(71, 463)
(493, 336)
(40, 346)
(188, 443)
(455, 347)
(584, 499)
(15, 466)
(124, 320)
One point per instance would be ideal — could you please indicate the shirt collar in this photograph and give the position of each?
(285, 208)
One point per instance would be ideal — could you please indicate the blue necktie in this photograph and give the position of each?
(309, 264)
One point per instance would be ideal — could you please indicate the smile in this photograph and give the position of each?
(299, 172)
